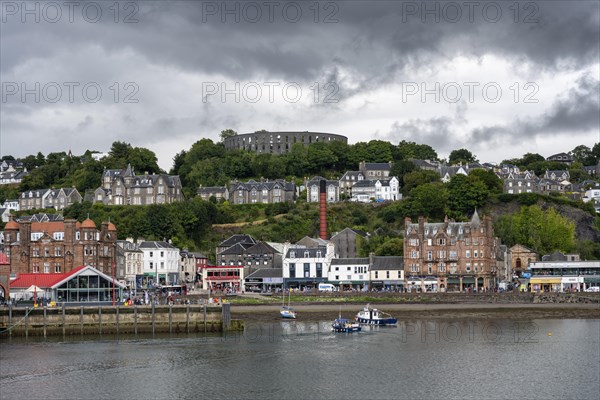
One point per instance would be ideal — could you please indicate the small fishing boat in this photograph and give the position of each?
(373, 316)
(345, 325)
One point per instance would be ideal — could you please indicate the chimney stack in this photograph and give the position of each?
(322, 209)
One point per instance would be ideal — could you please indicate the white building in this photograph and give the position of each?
(11, 204)
(592, 195)
(368, 190)
(161, 263)
(349, 273)
(307, 262)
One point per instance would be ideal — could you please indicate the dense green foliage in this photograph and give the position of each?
(543, 231)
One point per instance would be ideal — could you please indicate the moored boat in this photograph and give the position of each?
(345, 325)
(287, 312)
(373, 316)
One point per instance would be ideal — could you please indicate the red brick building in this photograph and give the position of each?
(53, 245)
(450, 256)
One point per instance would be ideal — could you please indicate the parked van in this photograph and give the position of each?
(326, 287)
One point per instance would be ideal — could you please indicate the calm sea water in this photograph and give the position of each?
(419, 359)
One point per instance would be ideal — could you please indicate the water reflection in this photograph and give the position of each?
(298, 360)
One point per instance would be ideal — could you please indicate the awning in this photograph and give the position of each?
(534, 281)
(453, 281)
(595, 279)
(468, 280)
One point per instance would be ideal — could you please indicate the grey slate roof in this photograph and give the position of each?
(266, 273)
(156, 245)
(350, 261)
(237, 238)
(387, 263)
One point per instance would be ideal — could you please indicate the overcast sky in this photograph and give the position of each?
(500, 78)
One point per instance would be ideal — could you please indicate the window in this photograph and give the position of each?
(319, 269)
(57, 252)
(468, 254)
(441, 241)
(151, 254)
(306, 270)
(387, 274)
(442, 254)
(413, 242)
(429, 255)
(292, 269)
(429, 241)
(475, 254)
(468, 267)
(376, 274)
(151, 265)
(162, 253)
(414, 254)
(162, 265)
(292, 254)
(441, 267)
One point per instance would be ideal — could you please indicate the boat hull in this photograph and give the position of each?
(287, 314)
(383, 321)
(345, 326)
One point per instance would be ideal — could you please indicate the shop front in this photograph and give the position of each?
(303, 283)
(545, 284)
(453, 283)
(591, 281)
(571, 284)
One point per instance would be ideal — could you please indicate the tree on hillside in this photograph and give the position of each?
(227, 133)
(429, 200)
(402, 167)
(417, 178)
(466, 193)
(178, 161)
(491, 180)
(543, 231)
(463, 156)
(584, 155)
(408, 150)
(380, 151)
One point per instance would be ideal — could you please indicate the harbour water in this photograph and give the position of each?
(418, 359)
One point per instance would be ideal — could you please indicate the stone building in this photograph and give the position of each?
(450, 256)
(122, 187)
(253, 192)
(520, 258)
(346, 242)
(278, 142)
(54, 245)
(332, 188)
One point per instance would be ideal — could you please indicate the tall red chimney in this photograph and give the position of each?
(323, 209)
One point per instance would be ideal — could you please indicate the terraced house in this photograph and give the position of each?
(122, 187)
(450, 256)
(49, 198)
(264, 192)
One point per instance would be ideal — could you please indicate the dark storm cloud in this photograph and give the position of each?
(366, 46)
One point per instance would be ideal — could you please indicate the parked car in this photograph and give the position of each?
(594, 289)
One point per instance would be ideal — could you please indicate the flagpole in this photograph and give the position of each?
(113, 283)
